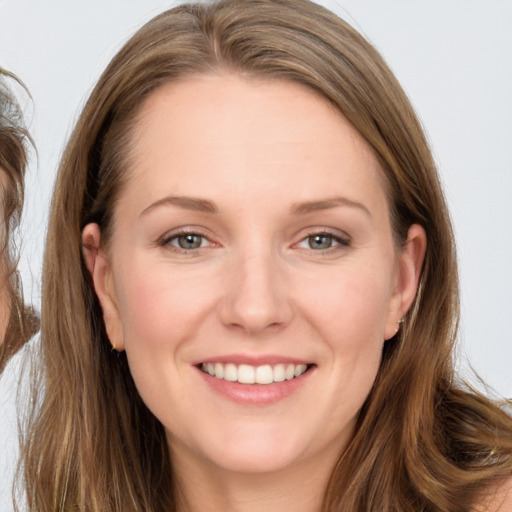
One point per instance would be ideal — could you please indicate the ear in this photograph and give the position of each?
(410, 263)
(99, 267)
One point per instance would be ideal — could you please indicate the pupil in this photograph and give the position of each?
(320, 242)
(190, 241)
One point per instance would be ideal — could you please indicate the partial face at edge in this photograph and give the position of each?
(254, 231)
(5, 307)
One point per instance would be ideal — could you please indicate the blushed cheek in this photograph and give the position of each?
(161, 313)
(162, 310)
(353, 308)
(349, 316)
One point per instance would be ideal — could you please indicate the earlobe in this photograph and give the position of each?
(98, 265)
(410, 264)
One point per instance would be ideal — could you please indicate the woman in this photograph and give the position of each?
(249, 292)
(17, 323)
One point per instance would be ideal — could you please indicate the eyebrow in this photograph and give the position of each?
(206, 206)
(187, 203)
(327, 204)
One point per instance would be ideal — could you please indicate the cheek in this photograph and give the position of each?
(353, 325)
(346, 315)
(161, 313)
(351, 306)
(161, 307)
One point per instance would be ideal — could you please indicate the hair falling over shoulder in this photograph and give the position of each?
(423, 441)
(15, 141)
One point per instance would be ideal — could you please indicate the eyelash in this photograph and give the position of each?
(166, 240)
(339, 241)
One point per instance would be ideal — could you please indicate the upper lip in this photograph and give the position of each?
(253, 360)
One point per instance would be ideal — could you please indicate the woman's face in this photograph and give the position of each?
(252, 242)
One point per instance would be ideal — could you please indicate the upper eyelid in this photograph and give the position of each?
(337, 241)
(335, 233)
(177, 232)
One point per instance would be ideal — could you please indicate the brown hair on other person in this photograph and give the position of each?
(18, 322)
(422, 442)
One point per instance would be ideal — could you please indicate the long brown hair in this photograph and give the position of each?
(14, 144)
(422, 442)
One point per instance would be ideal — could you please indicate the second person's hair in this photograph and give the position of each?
(15, 142)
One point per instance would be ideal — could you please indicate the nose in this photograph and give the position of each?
(256, 298)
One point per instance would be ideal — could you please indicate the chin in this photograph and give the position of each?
(256, 458)
(249, 448)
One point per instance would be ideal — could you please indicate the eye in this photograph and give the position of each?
(189, 241)
(185, 241)
(320, 242)
(323, 242)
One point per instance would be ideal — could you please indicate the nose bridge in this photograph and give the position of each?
(256, 296)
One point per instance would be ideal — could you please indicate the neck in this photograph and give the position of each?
(207, 488)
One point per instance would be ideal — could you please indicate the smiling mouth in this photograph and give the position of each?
(247, 374)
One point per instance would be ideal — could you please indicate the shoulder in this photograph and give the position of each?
(499, 499)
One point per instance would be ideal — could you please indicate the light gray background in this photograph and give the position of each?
(454, 59)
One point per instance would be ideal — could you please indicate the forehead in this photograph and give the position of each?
(253, 134)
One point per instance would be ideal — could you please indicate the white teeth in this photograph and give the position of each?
(247, 374)
(279, 373)
(290, 372)
(219, 370)
(264, 374)
(300, 369)
(230, 373)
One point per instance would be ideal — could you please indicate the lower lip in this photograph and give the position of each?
(256, 394)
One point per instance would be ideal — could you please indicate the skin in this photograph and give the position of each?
(5, 309)
(499, 499)
(255, 150)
